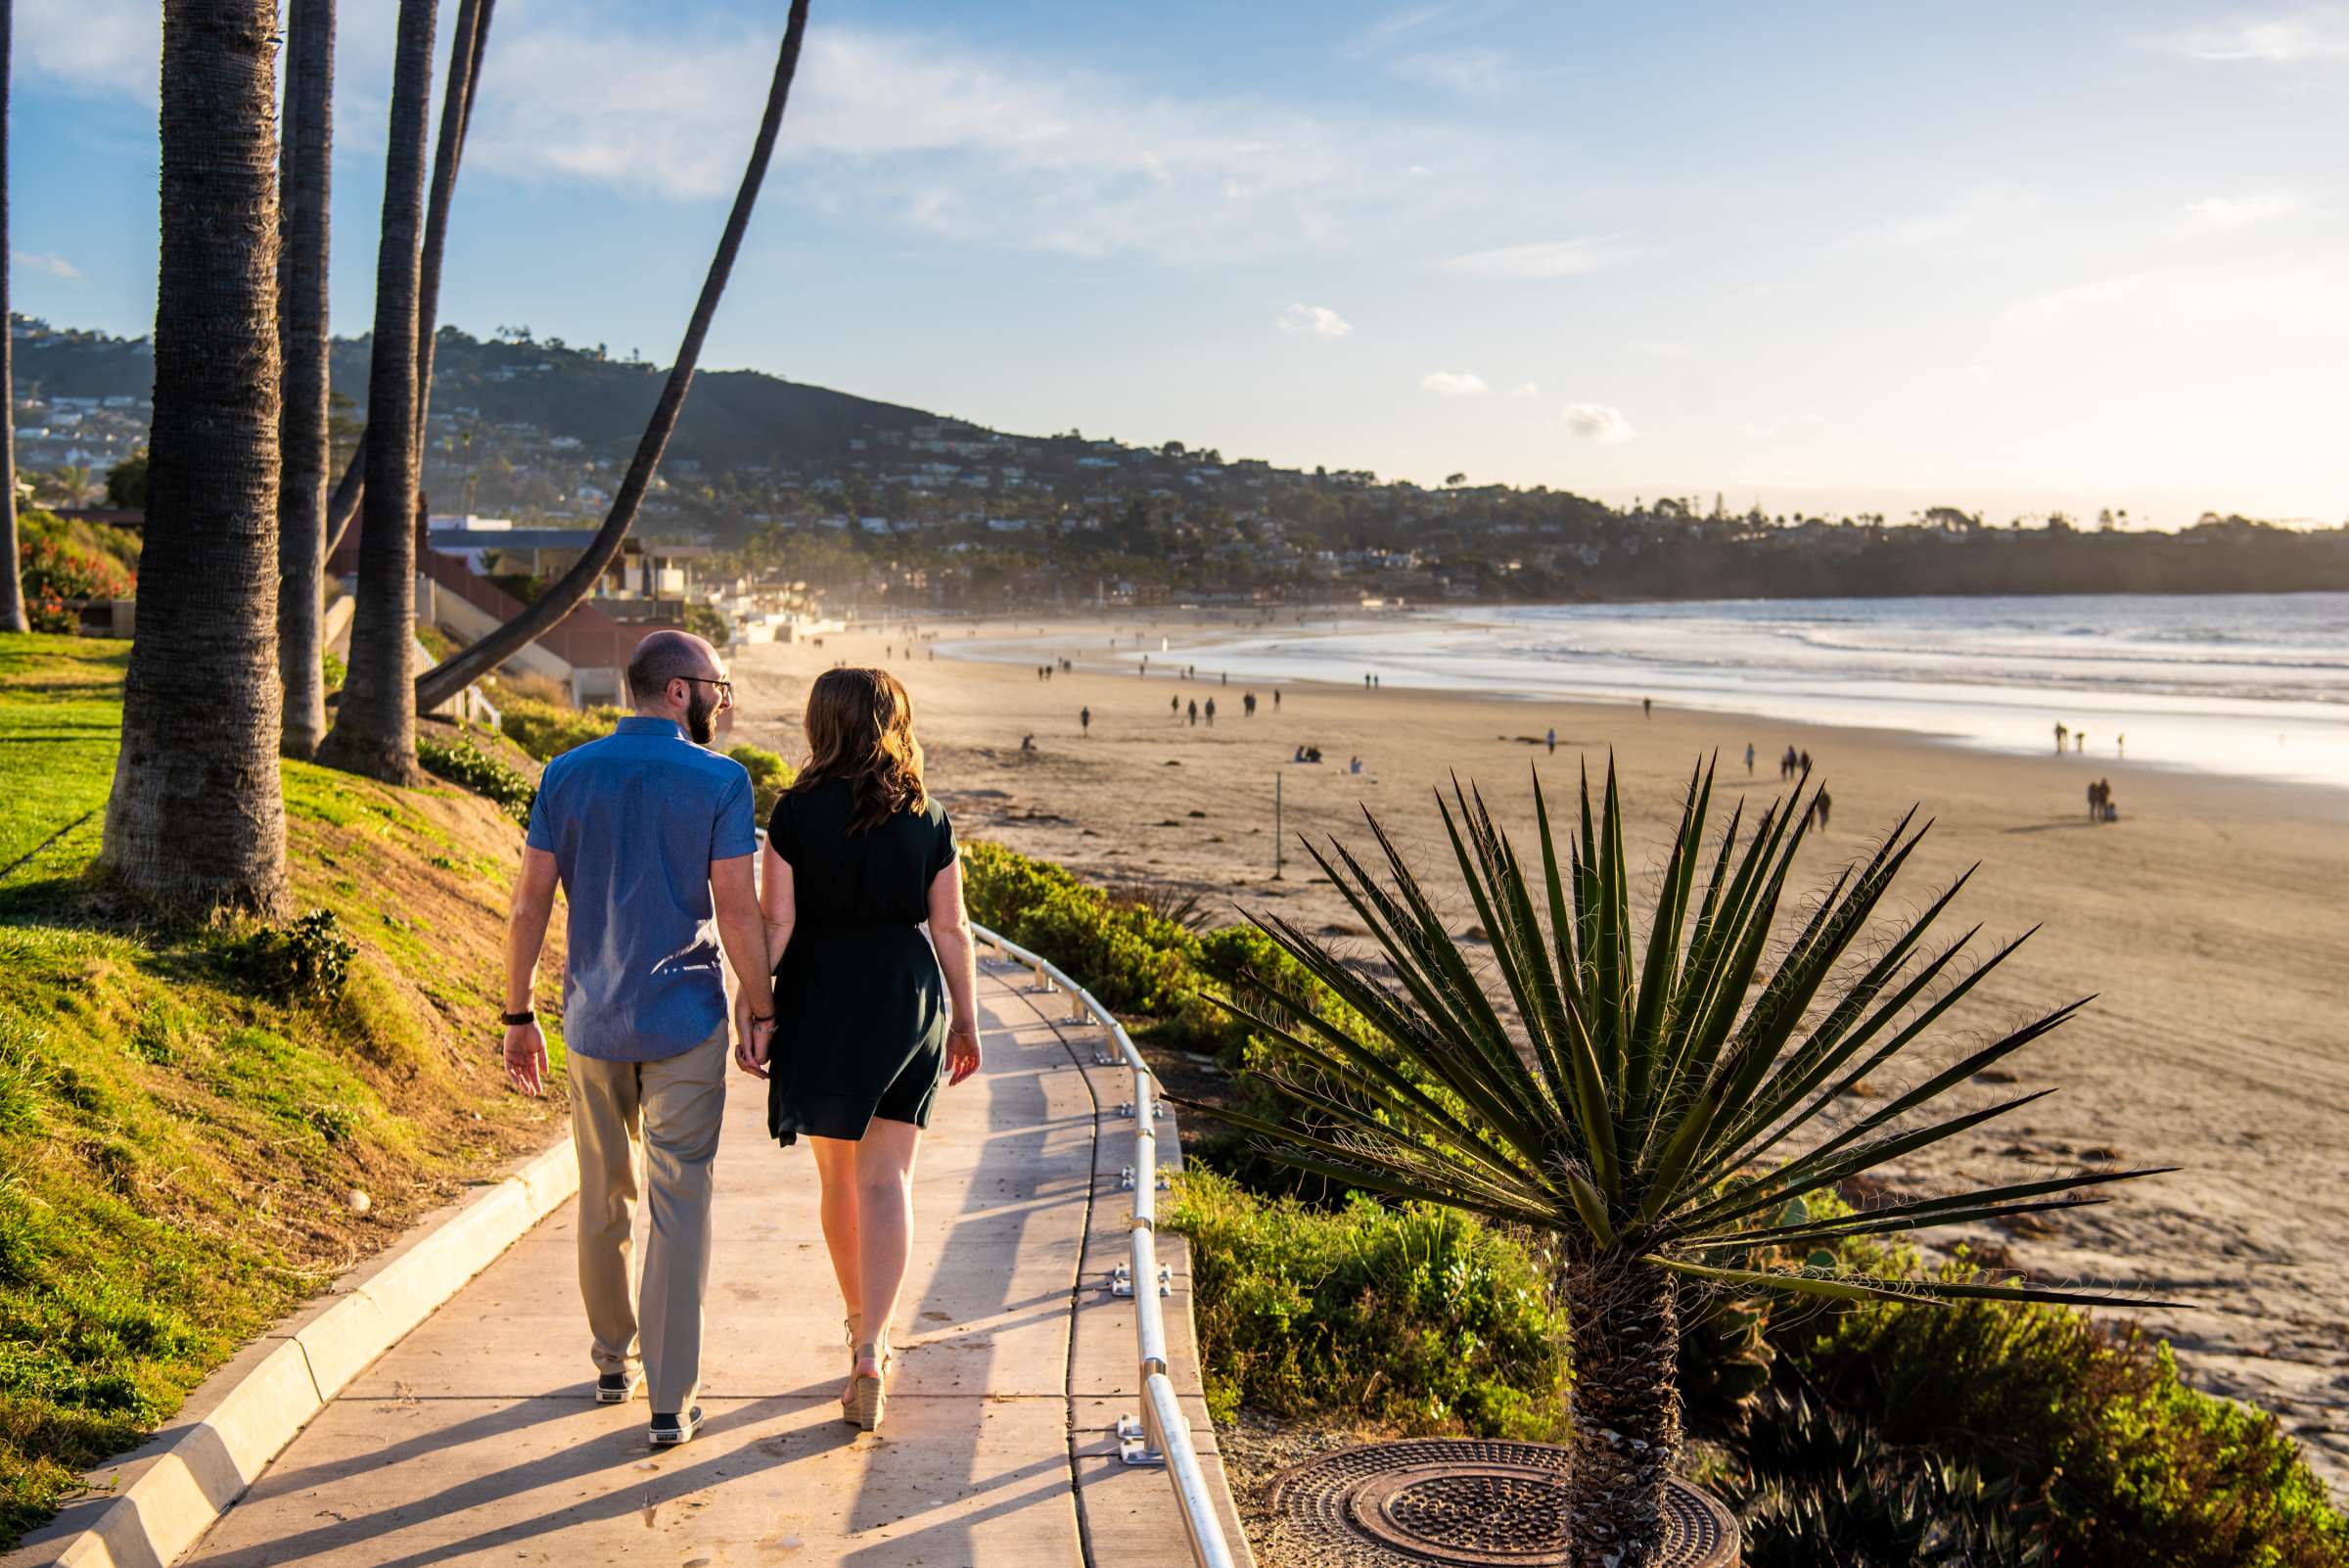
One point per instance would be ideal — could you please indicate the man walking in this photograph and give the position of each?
(650, 837)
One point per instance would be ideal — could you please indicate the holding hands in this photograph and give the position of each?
(754, 1035)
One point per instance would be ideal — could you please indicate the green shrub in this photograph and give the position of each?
(547, 729)
(1128, 958)
(463, 763)
(53, 574)
(1417, 1317)
(309, 958)
(335, 671)
(2130, 1464)
(770, 776)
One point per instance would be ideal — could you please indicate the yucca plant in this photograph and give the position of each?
(1643, 1102)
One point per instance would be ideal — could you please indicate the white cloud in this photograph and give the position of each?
(57, 266)
(1525, 389)
(1556, 259)
(2315, 32)
(2243, 212)
(1455, 384)
(908, 130)
(1317, 321)
(1596, 422)
(1470, 72)
(1429, 20)
(1990, 209)
(2155, 304)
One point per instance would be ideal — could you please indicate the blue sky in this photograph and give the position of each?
(1862, 257)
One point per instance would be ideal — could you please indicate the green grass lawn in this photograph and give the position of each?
(179, 1141)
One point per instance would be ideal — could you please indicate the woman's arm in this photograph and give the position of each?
(778, 909)
(958, 957)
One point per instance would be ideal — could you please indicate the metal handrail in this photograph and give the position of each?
(1167, 1430)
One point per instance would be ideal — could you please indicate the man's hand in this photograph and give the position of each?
(526, 1058)
(754, 1042)
(963, 1053)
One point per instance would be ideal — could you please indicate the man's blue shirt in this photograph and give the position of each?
(633, 821)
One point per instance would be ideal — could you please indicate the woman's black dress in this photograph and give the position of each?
(860, 1007)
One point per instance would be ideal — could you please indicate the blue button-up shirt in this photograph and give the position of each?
(633, 821)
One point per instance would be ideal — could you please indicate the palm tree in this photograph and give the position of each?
(472, 38)
(375, 728)
(11, 585)
(465, 48)
(453, 675)
(196, 822)
(1643, 1108)
(304, 168)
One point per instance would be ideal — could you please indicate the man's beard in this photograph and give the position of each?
(699, 711)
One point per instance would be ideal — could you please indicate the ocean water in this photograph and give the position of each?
(2248, 685)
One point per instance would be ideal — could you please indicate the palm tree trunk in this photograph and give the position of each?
(375, 730)
(302, 342)
(457, 118)
(196, 822)
(12, 583)
(445, 679)
(456, 114)
(1626, 1409)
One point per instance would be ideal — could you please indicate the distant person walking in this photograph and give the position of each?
(1084, 720)
(1647, 708)
(1210, 711)
(650, 837)
(1175, 706)
(2096, 801)
(1248, 704)
(1552, 738)
(1821, 804)
(1365, 683)
(2062, 732)
(1749, 755)
(1806, 766)
(1194, 712)
(1276, 699)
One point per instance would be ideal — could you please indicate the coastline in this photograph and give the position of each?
(2207, 921)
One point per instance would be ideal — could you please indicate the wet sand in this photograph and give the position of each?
(2210, 922)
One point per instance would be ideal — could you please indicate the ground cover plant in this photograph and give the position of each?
(186, 1115)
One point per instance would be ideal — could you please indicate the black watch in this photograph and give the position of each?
(510, 1020)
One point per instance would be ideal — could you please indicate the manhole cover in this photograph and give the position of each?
(1472, 1501)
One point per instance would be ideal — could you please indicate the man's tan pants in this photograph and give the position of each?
(676, 1104)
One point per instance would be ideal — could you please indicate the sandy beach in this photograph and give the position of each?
(2209, 922)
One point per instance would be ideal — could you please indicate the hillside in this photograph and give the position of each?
(873, 501)
(185, 1125)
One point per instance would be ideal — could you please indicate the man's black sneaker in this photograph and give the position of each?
(617, 1388)
(670, 1430)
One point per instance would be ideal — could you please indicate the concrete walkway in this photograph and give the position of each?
(476, 1440)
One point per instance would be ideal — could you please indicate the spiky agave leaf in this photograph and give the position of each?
(1607, 1097)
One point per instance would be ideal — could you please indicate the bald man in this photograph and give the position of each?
(650, 837)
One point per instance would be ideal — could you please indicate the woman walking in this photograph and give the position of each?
(867, 1017)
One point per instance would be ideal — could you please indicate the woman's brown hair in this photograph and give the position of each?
(860, 729)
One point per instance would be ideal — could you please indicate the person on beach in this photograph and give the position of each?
(2096, 801)
(1647, 708)
(1085, 719)
(1804, 764)
(1276, 699)
(1195, 712)
(1211, 713)
(1552, 738)
(870, 1018)
(1175, 706)
(2063, 730)
(650, 837)
(1248, 704)
(1365, 683)
(1749, 755)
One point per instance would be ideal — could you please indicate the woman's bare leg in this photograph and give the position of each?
(883, 1223)
(836, 1173)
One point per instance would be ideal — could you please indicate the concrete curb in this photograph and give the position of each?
(152, 1505)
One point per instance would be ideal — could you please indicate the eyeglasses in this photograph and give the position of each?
(724, 686)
